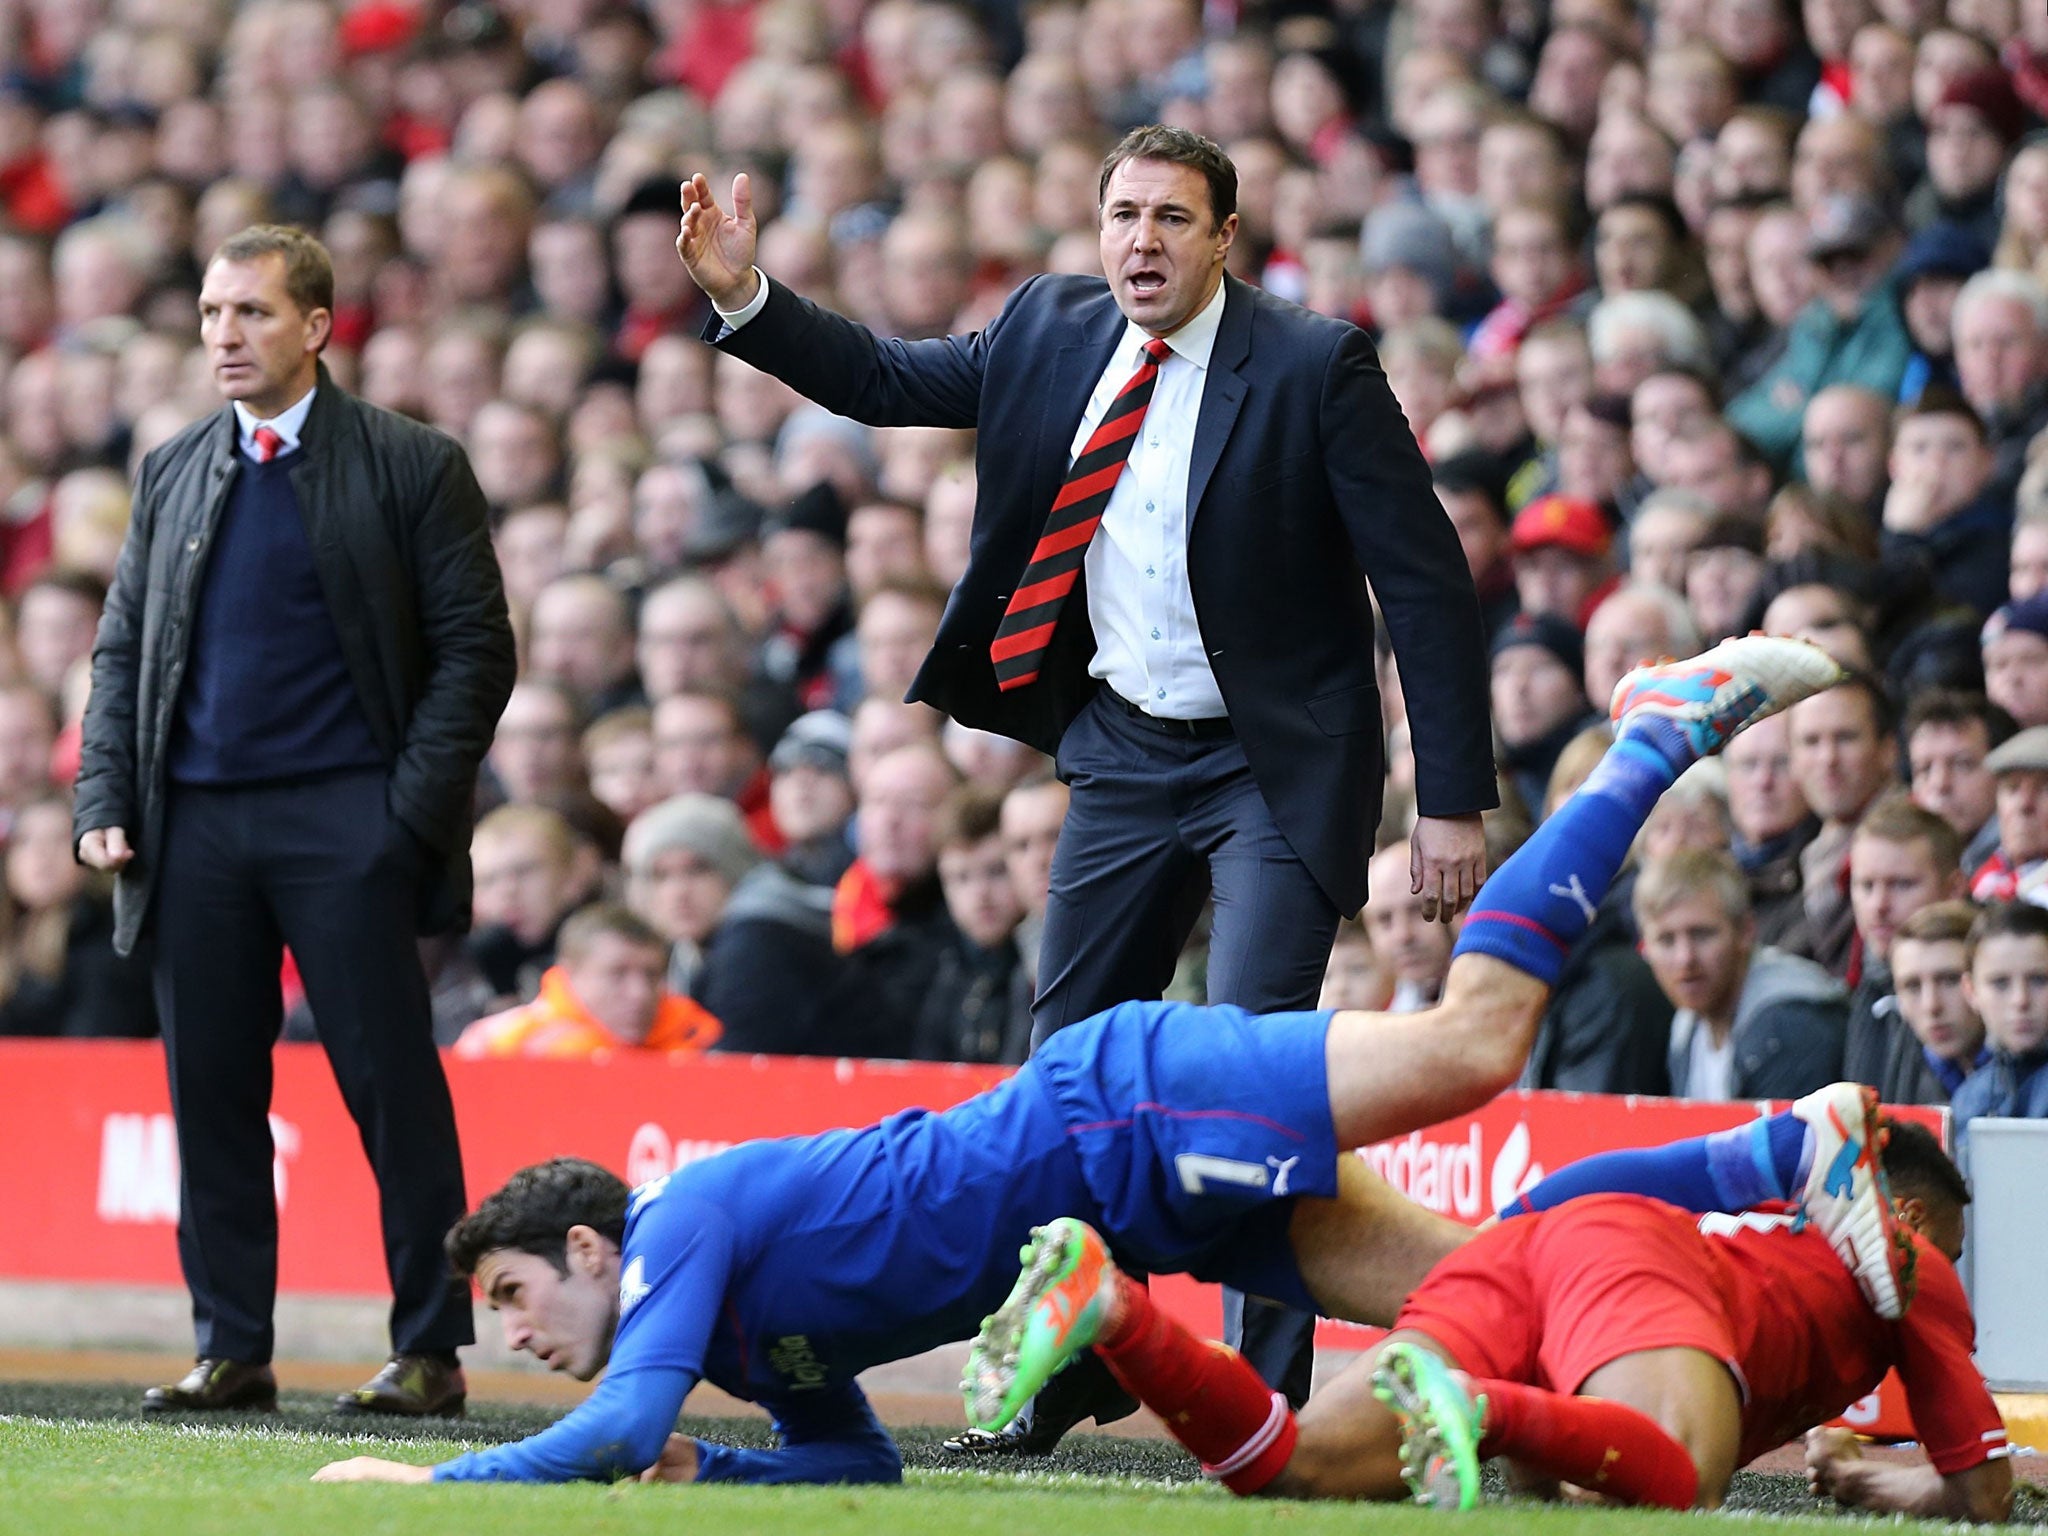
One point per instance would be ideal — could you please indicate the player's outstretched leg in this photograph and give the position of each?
(1823, 1154)
(1072, 1297)
(1391, 1074)
(1848, 1199)
(1439, 1424)
(1668, 717)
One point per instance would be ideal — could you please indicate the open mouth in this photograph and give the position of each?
(1147, 281)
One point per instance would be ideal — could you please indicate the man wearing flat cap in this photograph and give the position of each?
(2018, 871)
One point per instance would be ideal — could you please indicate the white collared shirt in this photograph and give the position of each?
(1148, 646)
(288, 424)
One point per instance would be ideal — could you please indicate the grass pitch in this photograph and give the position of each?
(82, 1461)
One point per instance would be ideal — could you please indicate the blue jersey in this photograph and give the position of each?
(780, 1270)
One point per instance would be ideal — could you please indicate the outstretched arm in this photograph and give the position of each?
(1837, 1468)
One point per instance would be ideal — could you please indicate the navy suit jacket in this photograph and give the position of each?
(1305, 481)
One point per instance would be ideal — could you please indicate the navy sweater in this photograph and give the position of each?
(266, 693)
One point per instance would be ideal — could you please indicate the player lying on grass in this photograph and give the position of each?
(1614, 1344)
(1203, 1141)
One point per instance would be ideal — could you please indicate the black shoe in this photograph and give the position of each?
(411, 1387)
(215, 1383)
(1083, 1390)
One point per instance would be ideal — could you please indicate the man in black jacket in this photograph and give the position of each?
(298, 671)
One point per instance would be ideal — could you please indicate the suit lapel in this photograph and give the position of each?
(1076, 366)
(1223, 391)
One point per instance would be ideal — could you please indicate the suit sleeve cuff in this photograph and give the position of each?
(735, 319)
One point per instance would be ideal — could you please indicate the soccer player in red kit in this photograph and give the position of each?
(1615, 1344)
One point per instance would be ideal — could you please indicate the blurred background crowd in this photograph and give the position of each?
(1709, 314)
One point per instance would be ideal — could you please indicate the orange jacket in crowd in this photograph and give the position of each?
(557, 1024)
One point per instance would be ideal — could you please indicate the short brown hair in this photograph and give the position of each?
(1940, 922)
(308, 270)
(586, 925)
(1665, 882)
(1176, 146)
(970, 814)
(2006, 920)
(1896, 819)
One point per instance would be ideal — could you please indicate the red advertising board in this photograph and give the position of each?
(89, 1163)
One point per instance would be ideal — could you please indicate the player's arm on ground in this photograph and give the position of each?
(1966, 1476)
(831, 1436)
(1837, 1468)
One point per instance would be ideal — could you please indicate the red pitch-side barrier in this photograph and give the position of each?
(89, 1161)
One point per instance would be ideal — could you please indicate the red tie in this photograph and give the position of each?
(1055, 564)
(268, 441)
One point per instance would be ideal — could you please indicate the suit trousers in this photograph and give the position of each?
(1156, 823)
(319, 864)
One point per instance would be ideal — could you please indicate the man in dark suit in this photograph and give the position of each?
(299, 668)
(1185, 485)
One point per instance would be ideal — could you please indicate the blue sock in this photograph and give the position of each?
(1728, 1171)
(1538, 904)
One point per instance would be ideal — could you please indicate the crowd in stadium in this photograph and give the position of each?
(1709, 315)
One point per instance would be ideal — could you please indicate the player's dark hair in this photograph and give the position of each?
(535, 1210)
(1177, 146)
(1918, 1169)
(1958, 707)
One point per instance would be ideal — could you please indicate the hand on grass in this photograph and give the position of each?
(1827, 1452)
(678, 1463)
(372, 1469)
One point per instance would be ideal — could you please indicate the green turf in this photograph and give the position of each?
(82, 1461)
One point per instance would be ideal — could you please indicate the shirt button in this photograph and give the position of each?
(191, 544)
(1149, 507)
(1161, 694)
(1155, 634)
(1148, 570)
(1151, 442)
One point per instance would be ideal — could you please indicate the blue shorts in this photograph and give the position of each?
(1196, 1129)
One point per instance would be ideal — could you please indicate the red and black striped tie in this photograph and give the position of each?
(1034, 608)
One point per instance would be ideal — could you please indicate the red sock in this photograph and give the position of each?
(1604, 1447)
(1214, 1403)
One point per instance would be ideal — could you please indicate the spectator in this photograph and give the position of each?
(1949, 735)
(1942, 1042)
(59, 974)
(1930, 275)
(1667, 528)
(1720, 466)
(1752, 1022)
(1469, 486)
(1901, 859)
(1845, 440)
(1771, 823)
(2008, 952)
(1539, 701)
(533, 756)
(618, 749)
(1637, 622)
(978, 1007)
(898, 622)
(606, 991)
(1851, 333)
(55, 619)
(530, 874)
(2015, 643)
(1941, 518)
(1724, 574)
(2001, 332)
(701, 747)
(1033, 812)
(2018, 869)
(1972, 129)
(1415, 951)
(1354, 977)
(580, 637)
(1563, 553)
(806, 564)
(1842, 757)
(812, 798)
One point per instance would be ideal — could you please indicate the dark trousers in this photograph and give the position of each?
(322, 866)
(1156, 823)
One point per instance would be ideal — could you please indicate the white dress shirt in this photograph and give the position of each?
(288, 424)
(1148, 646)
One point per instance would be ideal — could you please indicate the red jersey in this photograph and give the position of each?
(1551, 1298)
(1808, 1345)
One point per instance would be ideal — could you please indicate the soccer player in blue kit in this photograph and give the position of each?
(1197, 1140)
